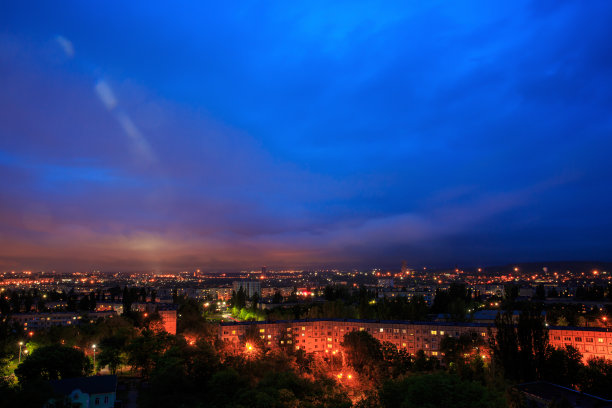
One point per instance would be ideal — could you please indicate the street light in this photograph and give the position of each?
(94, 350)
(20, 344)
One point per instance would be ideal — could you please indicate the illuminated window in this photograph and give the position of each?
(441, 332)
(269, 336)
(262, 330)
(434, 353)
(434, 332)
(381, 330)
(361, 329)
(303, 328)
(600, 340)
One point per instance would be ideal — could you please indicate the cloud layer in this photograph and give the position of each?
(136, 137)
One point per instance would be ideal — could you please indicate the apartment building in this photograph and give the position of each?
(325, 335)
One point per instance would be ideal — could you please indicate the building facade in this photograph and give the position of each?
(325, 335)
(249, 287)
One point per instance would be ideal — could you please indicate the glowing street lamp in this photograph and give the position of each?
(94, 351)
(20, 344)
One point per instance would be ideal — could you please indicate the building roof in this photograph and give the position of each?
(545, 392)
(99, 384)
(421, 323)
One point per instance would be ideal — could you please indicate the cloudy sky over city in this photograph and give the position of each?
(158, 136)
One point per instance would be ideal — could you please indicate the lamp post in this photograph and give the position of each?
(20, 344)
(94, 351)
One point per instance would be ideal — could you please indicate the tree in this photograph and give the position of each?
(596, 378)
(277, 298)
(112, 352)
(52, 363)
(540, 292)
(397, 361)
(144, 350)
(363, 352)
(438, 390)
(504, 345)
(562, 365)
(521, 351)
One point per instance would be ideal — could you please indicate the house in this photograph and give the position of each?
(86, 392)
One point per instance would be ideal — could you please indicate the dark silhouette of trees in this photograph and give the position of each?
(438, 390)
(52, 363)
(363, 352)
(520, 350)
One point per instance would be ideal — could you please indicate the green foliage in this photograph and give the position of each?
(142, 351)
(52, 363)
(112, 352)
(438, 390)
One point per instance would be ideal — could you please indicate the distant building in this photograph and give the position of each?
(385, 283)
(264, 270)
(249, 287)
(35, 321)
(86, 392)
(166, 311)
(168, 316)
(220, 293)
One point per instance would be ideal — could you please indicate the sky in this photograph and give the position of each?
(218, 135)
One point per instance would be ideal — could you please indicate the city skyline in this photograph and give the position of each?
(149, 138)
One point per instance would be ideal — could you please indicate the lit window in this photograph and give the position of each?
(382, 330)
(600, 340)
(434, 332)
(262, 330)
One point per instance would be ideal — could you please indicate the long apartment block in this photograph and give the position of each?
(325, 335)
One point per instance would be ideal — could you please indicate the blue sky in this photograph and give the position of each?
(155, 137)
